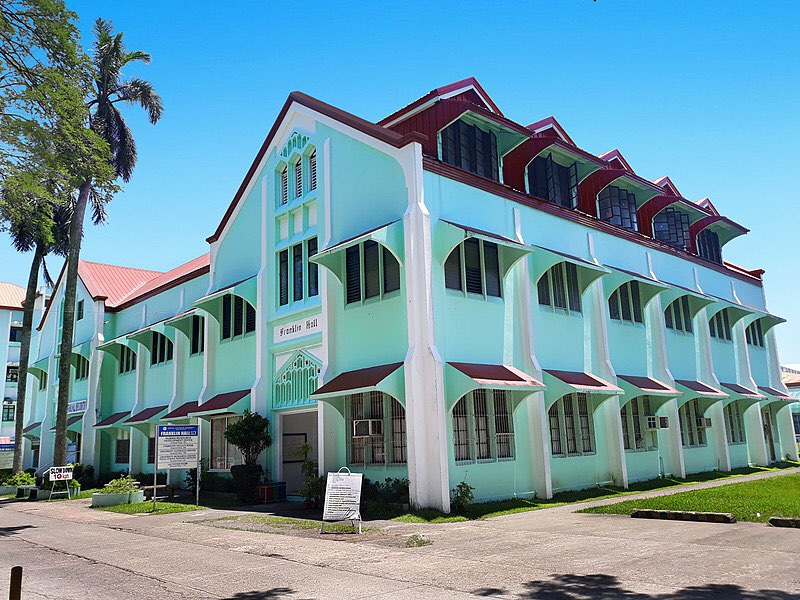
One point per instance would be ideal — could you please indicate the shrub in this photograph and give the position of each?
(84, 474)
(313, 488)
(391, 491)
(251, 435)
(46, 484)
(246, 477)
(462, 497)
(147, 478)
(20, 478)
(210, 482)
(121, 485)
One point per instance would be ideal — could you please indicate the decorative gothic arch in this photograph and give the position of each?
(296, 380)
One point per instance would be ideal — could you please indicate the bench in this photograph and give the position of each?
(162, 491)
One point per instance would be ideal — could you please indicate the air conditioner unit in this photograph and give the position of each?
(663, 422)
(708, 422)
(367, 427)
(652, 423)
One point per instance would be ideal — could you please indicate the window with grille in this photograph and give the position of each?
(376, 429)
(284, 179)
(474, 266)
(297, 272)
(15, 334)
(197, 342)
(313, 268)
(625, 303)
(636, 435)
(303, 282)
(719, 326)
(43, 381)
(371, 271)
(162, 349)
(571, 426)
(81, 368)
(238, 317)
(471, 148)
(618, 207)
(677, 315)
(122, 451)
(127, 360)
(79, 311)
(223, 454)
(12, 374)
(298, 178)
(312, 171)
(283, 277)
(559, 288)
(755, 334)
(671, 226)
(9, 410)
(692, 424)
(554, 182)
(483, 426)
(734, 423)
(708, 246)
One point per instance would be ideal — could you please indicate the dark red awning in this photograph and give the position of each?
(583, 382)
(112, 419)
(648, 385)
(358, 379)
(496, 374)
(182, 412)
(145, 415)
(700, 388)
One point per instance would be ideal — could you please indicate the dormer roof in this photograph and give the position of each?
(615, 158)
(550, 126)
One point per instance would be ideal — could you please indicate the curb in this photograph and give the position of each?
(685, 515)
(784, 522)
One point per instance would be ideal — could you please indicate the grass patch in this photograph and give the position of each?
(416, 540)
(754, 501)
(162, 508)
(487, 510)
(292, 523)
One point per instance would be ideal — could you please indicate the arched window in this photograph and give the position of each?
(298, 178)
(625, 303)
(719, 326)
(471, 148)
(127, 360)
(284, 183)
(571, 426)
(708, 246)
(483, 427)
(557, 183)
(734, 423)
(376, 429)
(296, 380)
(677, 315)
(238, 317)
(559, 288)
(755, 334)
(312, 171)
(162, 349)
(474, 266)
(693, 424)
(371, 271)
(639, 425)
(671, 226)
(618, 207)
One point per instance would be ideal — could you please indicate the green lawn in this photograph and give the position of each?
(294, 523)
(754, 501)
(162, 508)
(486, 510)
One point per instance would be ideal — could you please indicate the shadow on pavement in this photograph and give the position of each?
(265, 595)
(4, 531)
(608, 587)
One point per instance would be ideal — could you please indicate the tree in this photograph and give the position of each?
(109, 57)
(250, 435)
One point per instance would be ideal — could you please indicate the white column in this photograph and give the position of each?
(785, 429)
(670, 446)
(720, 435)
(754, 433)
(424, 375)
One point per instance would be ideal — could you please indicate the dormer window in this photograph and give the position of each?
(671, 226)
(755, 334)
(719, 326)
(554, 182)
(708, 246)
(474, 266)
(677, 315)
(471, 148)
(625, 303)
(618, 207)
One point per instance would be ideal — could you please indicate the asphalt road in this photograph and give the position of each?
(70, 551)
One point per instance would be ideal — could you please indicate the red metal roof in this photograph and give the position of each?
(146, 414)
(112, 419)
(358, 379)
(647, 384)
(700, 387)
(31, 427)
(187, 270)
(182, 411)
(222, 401)
(112, 283)
(495, 374)
(12, 296)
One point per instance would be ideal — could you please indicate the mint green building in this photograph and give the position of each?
(446, 296)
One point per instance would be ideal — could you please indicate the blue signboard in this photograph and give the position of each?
(173, 430)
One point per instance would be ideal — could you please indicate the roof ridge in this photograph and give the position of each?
(94, 262)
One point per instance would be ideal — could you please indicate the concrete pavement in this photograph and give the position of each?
(71, 551)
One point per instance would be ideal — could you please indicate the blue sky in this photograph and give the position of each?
(705, 92)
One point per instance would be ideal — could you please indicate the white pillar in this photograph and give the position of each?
(669, 440)
(754, 433)
(719, 434)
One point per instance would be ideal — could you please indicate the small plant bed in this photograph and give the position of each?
(146, 508)
(81, 495)
(754, 501)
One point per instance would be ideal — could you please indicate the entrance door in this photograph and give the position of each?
(298, 429)
(768, 436)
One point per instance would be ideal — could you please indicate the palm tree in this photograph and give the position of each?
(35, 224)
(105, 119)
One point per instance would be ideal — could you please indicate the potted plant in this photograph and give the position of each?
(251, 436)
(313, 488)
(122, 490)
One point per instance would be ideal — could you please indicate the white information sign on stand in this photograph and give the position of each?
(342, 498)
(177, 447)
(60, 473)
